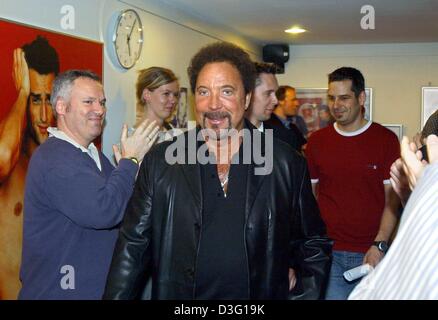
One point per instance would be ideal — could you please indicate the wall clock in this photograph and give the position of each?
(128, 38)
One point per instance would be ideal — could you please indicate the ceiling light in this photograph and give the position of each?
(295, 30)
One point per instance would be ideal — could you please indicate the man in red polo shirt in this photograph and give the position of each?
(349, 165)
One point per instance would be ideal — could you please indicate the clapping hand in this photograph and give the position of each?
(139, 143)
(413, 166)
(411, 156)
(399, 181)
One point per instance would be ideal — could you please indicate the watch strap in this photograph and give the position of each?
(381, 245)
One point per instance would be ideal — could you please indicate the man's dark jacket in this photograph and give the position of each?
(292, 136)
(160, 233)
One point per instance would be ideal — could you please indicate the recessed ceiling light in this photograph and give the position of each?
(295, 30)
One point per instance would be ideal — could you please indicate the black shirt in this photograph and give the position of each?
(222, 268)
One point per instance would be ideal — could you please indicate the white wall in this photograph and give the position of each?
(170, 40)
(396, 72)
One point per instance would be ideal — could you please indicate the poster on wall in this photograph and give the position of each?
(314, 112)
(30, 58)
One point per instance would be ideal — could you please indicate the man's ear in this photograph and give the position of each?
(362, 98)
(247, 100)
(61, 107)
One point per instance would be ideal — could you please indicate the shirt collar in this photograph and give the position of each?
(91, 150)
(55, 132)
(285, 121)
(261, 128)
(353, 133)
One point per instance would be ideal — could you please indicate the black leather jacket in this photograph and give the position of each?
(160, 234)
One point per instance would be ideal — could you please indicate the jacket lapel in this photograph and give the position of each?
(192, 173)
(252, 188)
(254, 182)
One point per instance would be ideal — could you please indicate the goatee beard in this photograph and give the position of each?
(213, 132)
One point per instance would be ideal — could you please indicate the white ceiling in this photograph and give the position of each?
(328, 21)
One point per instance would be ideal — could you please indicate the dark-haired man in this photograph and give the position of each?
(225, 228)
(24, 128)
(349, 164)
(281, 120)
(264, 101)
(263, 98)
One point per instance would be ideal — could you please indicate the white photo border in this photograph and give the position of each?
(429, 103)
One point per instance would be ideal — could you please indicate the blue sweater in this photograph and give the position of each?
(71, 216)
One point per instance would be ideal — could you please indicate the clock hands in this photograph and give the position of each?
(129, 46)
(128, 39)
(132, 29)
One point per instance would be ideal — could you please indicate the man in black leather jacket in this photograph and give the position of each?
(227, 228)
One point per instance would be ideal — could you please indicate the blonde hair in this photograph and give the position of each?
(151, 79)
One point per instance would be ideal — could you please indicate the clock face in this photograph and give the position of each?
(128, 38)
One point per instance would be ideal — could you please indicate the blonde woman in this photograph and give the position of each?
(157, 92)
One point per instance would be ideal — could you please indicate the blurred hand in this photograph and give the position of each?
(412, 163)
(417, 140)
(20, 72)
(432, 148)
(399, 181)
(139, 143)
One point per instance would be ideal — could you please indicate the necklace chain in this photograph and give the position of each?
(223, 183)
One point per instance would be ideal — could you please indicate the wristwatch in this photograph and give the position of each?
(133, 159)
(381, 245)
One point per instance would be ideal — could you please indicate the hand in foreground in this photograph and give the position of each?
(417, 140)
(373, 256)
(412, 163)
(432, 148)
(399, 181)
(139, 143)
